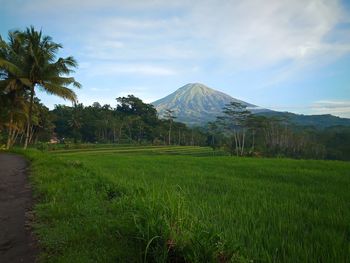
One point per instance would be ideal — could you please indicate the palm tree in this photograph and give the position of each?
(35, 66)
(12, 90)
(15, 107)
(44, 71)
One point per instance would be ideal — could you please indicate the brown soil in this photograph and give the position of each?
(17, 243)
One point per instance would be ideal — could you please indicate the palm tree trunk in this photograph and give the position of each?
(9, 136)
(15, 137)
(21, 139)
(29, 123)
(31, 134)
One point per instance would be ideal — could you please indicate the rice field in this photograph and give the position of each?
(135, 149)
(188, 204)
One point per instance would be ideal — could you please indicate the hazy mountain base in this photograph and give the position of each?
(316, 121)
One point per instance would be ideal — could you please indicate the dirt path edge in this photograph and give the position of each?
(17, 241)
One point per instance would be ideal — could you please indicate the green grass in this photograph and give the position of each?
(165, 205)
(187, 150)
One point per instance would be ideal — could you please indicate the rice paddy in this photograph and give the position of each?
(188, 204)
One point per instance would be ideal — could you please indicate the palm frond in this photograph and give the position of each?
(60, 91)
(9, 66)
(26, 82)
(63, 81)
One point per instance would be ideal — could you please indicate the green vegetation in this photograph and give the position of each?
(28, 62)
(120, 184)
(109, 205)
(131, 121)
(176, 150)
(125, 185)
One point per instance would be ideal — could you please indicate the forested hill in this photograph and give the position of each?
(316, 121)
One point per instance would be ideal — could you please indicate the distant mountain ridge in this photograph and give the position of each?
(196, 104)
(318, 121)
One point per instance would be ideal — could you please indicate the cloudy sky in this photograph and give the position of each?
(288, 55)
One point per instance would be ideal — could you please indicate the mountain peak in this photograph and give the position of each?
(195, 103)
(196, 90)
(195, 85)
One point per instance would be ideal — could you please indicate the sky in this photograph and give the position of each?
(278, 54)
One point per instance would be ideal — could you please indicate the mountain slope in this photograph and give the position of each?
(197, 104)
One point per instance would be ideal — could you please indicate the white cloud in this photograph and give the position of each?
(334, 107)
(74, 5)
(124, 38)
(244, 34)
(256, 33)
(236, 34)
(141, 69)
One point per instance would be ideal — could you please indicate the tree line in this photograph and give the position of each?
(242, 133)
(131, 122)
(236, 131)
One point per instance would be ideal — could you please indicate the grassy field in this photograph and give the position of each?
(166, 204)
(135, 149)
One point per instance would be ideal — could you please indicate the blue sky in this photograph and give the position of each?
(283, 55)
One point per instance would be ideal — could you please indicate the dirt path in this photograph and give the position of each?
(16, 241)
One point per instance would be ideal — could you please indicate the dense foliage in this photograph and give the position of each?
(131, 121)
(28, 61)
(242, 133)
(135, 122)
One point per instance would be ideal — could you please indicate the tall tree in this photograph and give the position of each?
(12, 89)
(169, 116)
(255, 124)
(75, 121)
(233, 121)
(36, 66)
(212, 132)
